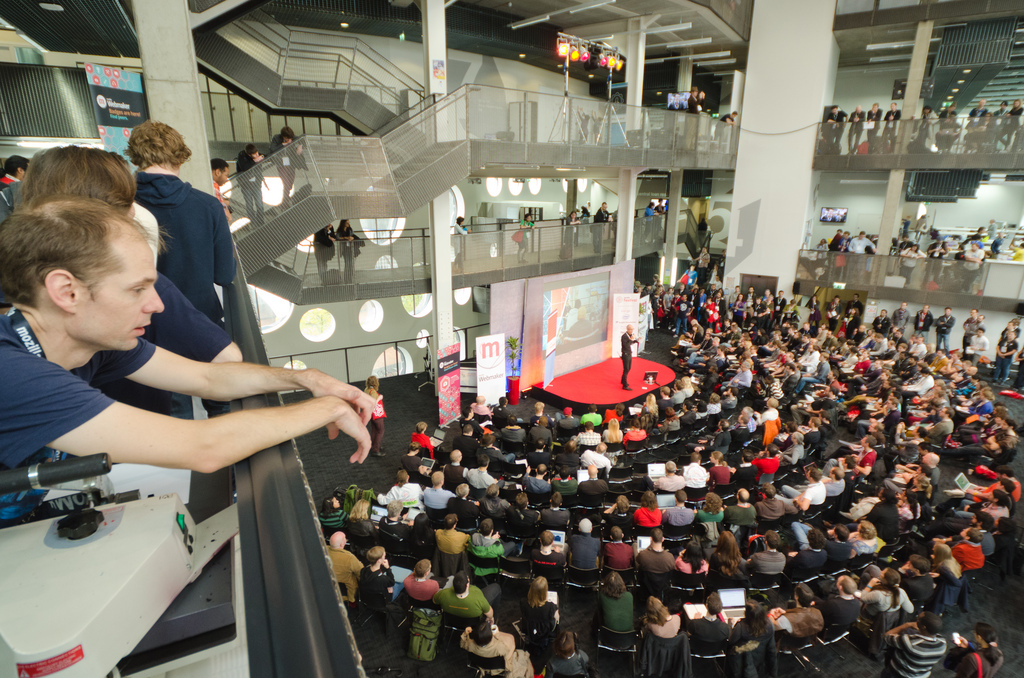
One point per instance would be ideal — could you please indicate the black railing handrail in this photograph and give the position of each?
(293, 617)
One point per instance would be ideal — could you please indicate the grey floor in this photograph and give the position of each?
(326, 465)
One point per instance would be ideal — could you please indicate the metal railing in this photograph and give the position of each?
(648, 234)
(356, 363)
(299, 68)
(370, 269)
(992, 142)
(991, 285)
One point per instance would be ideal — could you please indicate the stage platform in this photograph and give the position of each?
(601, 384)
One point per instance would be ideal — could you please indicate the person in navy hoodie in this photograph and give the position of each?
(198, 250)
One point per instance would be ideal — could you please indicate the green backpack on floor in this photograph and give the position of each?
(423, 634)
(352, 495)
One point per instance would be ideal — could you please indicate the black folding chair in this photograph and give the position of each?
(618, 641)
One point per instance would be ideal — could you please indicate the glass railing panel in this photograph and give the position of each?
(932, 137)
(858, 271)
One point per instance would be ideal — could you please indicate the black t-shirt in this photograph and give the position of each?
(886, 519)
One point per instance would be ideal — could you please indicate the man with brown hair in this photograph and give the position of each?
(81, 278)
(199, 252)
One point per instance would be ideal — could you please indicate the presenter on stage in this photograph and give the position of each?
(628, 339)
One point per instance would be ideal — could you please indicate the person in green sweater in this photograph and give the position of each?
(712, 511)
(486, 543)
(592, 416)
(616, 605)
(743, 513)
(464, 600)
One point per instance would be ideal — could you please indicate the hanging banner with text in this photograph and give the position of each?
(118, 103)
(625, 311)
(490, 367)
(449, 396)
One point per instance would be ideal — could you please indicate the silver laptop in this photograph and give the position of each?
(642, 542)
(582, 475)
(656, 471)
(378, 512)
(734, 602)
(966, 485)
(666, 501)
(427, 463)
(559, 537)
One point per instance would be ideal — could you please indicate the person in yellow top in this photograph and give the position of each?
(345, 565)
(1018, 251)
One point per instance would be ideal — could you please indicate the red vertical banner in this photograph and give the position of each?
(449, 395)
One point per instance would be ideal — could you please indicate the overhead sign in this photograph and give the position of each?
(118, 104)
(490, 367)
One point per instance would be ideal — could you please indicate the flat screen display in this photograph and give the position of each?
(834, 215)
(677, 101)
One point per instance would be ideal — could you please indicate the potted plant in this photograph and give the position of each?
(514, 355)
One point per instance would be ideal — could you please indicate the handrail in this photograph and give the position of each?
(293, 617)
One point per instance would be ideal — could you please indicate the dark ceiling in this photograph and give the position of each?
(99, 27)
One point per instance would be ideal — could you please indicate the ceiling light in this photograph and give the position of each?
(574, 53)
(967, 70)
(688, 43)
(659, 94)
(717, 62)
(657, 61)
(889, 45)
(591, 75)
(950, 96)
(522, 56)
(900, 57)
(344, 25)
(710, 55)
(529, 22)
(959, 82)
(956, 89)
(592, 5)
(562, 48)
(668, 29)
(51, 6)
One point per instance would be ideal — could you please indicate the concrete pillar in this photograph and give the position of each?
(918, 63)
(774, 177)
(627, 204)
(739, 78)
(685, 76)
(892, 211)
(571, 196)
(435, 47)
(675, 204)
(443, 321)
(172, 81)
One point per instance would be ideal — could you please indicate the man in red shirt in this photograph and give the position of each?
(968, 552)
(1002, 471)
(617, 555)
(767, 463)
(14, 169)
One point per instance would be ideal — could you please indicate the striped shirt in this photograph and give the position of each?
(915, 654)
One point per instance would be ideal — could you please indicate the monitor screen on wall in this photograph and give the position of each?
(835, 215)
(676, 101)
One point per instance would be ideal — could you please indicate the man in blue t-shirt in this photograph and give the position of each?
(81, 278)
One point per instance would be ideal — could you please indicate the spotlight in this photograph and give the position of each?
(585, 56)
(604, 60)
(620, 63)
(574, 53)
(612, 62)
(563, 47)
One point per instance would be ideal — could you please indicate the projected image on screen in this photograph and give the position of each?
(575, 313)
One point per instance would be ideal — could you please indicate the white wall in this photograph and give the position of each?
(866, 85)
(1002, 202)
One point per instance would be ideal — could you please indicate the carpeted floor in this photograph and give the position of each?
(326, 466)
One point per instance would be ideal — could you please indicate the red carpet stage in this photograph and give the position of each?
(602, 384)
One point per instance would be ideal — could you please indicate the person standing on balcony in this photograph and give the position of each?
(891, 117)
(856, 129)
(923, 322)
(323, 251)
(978, 112)
(252, 185)
(874, 126)
(601, 217)
(350, 244)
(833, 130)
(1012, 124)
(286, 163)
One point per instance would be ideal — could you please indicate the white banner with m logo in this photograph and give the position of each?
(490, 367)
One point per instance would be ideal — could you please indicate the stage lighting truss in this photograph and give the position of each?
(592, 55)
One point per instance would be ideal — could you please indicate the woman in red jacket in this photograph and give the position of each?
(648, 515)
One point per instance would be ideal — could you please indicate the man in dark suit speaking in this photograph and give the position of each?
(628, 339)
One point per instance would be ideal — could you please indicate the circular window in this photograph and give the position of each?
(565, 185)
(294, 364)
(534, 186)
(418, 305)
(239, 223)
(273, 191)
(581, 184)
(306, 245)
(385, 262)
(515, 186)
(317, 324)
(423, 338)
(371, 315)
(493, 186)
(271, 310)
(392, 363)
(456, 204)
(460, 336)
(462, 295)
(382, 231)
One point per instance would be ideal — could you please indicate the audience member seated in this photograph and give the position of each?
(658, 621)
(771, 507)
(492, 505)
(883, 594)
(332, 517)
(534, 482)
(566, 482)
(709, 628)
(420, 586)
(612, 433)
(648, 515)
(751, 648)
(767, 464)
(540, 433)
(489, 447)
(568, 659)
(742, 514)
(770, 561)
(345, 565)
(547, 552)
(810, 557)
(588, 436)
(467, 443)
(654, 563)
(393, 524)
(597, 457)
(679, 515)
(593, 486)
(467, 601)
(521, 517)
(615, 604)
(720, 472)
(359, 525)
(454, 471)
(727, 560)
(616, 554)
(376, 582)
(671, 481)
(465, 509)
(487, 543)
(450, 556)
(979, 656)
(469, 419)
(412, 462)
(479, 478)
(423, 538)
(513, 432)
(713, 511)
(584, 547)
(554, 517)
(802, 620)
(915, 647)
(619, 514)
(691, 559)
(421, 438)
(694, 475)
(484, 640)
(410, 494)
(840, 608)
